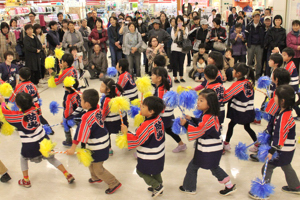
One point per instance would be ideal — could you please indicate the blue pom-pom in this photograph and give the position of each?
(40, 102)
(71, 122)
(66, 126)
(266, 116)
(261, 189)
(134, 110)
(47, 129)
(258, 114)
(197, 113)
(188, 99)
(14, 107)
(102, 97)
(263, 152)
(171, 99)
(264, 82)
(54, 107)
(263, 138)
(111, 71)
(241, 151)
(177, 128)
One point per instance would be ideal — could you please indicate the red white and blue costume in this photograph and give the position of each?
(149, 141)
(219, 79)
(71, 71)
(27, 87)
(127, 83)
(272, 107)
(93, 132)
(290, 66)
(240, 98)
(72, 106)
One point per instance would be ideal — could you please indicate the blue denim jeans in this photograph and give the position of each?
(115, 55)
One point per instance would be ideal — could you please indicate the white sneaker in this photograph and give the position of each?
(253, 149)
(227, 147)
(197, 79)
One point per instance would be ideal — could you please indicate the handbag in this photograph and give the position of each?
(219, 46)
(196, 42)
(143, 47)
(186, 45)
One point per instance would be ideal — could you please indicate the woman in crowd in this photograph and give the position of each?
(143, 30)
(63, 29)
(7, 41)
(115, 41)
(154, 49)
(99, 35)
(17, 31)
(164, 23)
(169, 30)
(293, 41)
(218, 34)
(72, 38)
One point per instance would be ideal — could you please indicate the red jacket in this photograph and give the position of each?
(95, 35)
(293, 41)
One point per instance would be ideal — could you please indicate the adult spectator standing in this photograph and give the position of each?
(239, 19)
(97, 63)
(53, 37)
(154, 49)
(164, 23)
(246, 21)
(142, 28)
(200, 33)
(238, 39)
(267, 23)
(137, 14)
(7, 41)
(92, 20)
(72, 38)
(169, 30)
(162, 35)
(232, 18)
(115, 41)
(218, 34)
(275, 40)
(85, 32)
(60, 17)
(124, 27)
(255, 32)
(186, 7)
(99, 35)
(9, 72)
(17, 31)
(268, 13)
(32, 47)
(212, 17)
(32, 18)
(293, 41)
(63, 29)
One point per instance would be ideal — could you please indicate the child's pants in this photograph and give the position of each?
(52, 160)
(190, 179)
(246, 127)
(151, 180)
(99, 172)
(290, 175)
(3, 169)
(199, 75)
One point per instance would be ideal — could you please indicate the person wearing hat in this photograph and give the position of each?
(200, 33)
(161, 35)
(268, 12)
(255, 32)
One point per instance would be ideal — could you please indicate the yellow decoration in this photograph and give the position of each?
(46, 146)
(138, 119)
(148, 94)
(189, 88)
(59, 53)
(119, 103)
(6, 89)
(85, 157)
(7, 129)
(69, 81)
(49, 62)
(51, 82)
(121, 141)
(143, 84)
(136, 102)
(298, 140)
(180, 89)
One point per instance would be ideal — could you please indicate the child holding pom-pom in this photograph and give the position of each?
(149, 141)
(112, 121)
(31, 133)
(4, 176)
(92, 131)
(282, 129)
(159, 78)
(208, 151)
(125, 81)
(160, 61)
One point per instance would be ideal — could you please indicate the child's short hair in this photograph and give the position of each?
(287, 93)
(230, 50)
(202, 46)
(154, 103)
(212, 101)
(75, 86)
(123, 62)
(24, 101)
(73, 48)
(68, 58)
(25, 73)
(289, 51)
(200, 57)
(238, 25)
(211, 71)
(218, 59)
(8, 53)
(91, 96)
(159, 60)
(296, 22)
(282, 75)
(277, 58)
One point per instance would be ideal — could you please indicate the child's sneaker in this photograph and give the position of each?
(179, 148)
(157, 191)
(254, 158)
(111, 152)
(96, 181)
(226, 146)
(253, 149)
(252, 196)
(186, 191)
(289, 190)
(110, 191)
(197, 79)
(228, 191)
(150, 189)
(5, 178)
(24, 183)
(70, 178)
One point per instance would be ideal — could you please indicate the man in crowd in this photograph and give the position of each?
(212, 17)
(232, 18)
(161, 35)
(92, 20)
(60, 17)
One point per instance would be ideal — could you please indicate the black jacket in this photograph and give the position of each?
(143, 29)
(199, 34)
(91, 23)
(250, 30)
(189, 10)
(231, 19)
(275, 37)
(32, 58)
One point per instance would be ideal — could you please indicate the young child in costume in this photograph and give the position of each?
(27, 121)
(28, 87)
(72, 110)
(112, 121)
(159, 79)
(208, 151)
(240, 98)
(149, 141)
(4, 176)
(125, 81)
(160, 61)
(93, 132)
(282, 129)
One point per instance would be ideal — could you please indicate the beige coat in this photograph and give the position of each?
(7, 47)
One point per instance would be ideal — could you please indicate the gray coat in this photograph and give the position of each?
(85, 32)
(67, 40)
(99, 61)
(126, 42)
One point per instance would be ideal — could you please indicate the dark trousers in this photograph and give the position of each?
(43, 69)
(241, 59)
(173, 135)
(178, 61)
(116, 55)
(169, 56)
(268, 68)
(297, 63)
(35, 77)
(146, 63)
(189, 59)
(246, 127)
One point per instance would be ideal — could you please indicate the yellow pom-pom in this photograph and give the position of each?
(121, 141)
(49, 62)
(85, 157)
(148, 94)
(143, 84)
(138, 119)
(136, 102)
(51, 82)
(188, 88)
(7, 129)
(6, 89)
(60, 72)
(298, 140)
(69, 81)
(118, 103)
(46, 146)
(2, 118)
(180, 89)
(59, 53)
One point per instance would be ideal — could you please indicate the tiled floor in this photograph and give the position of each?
(49, 184)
